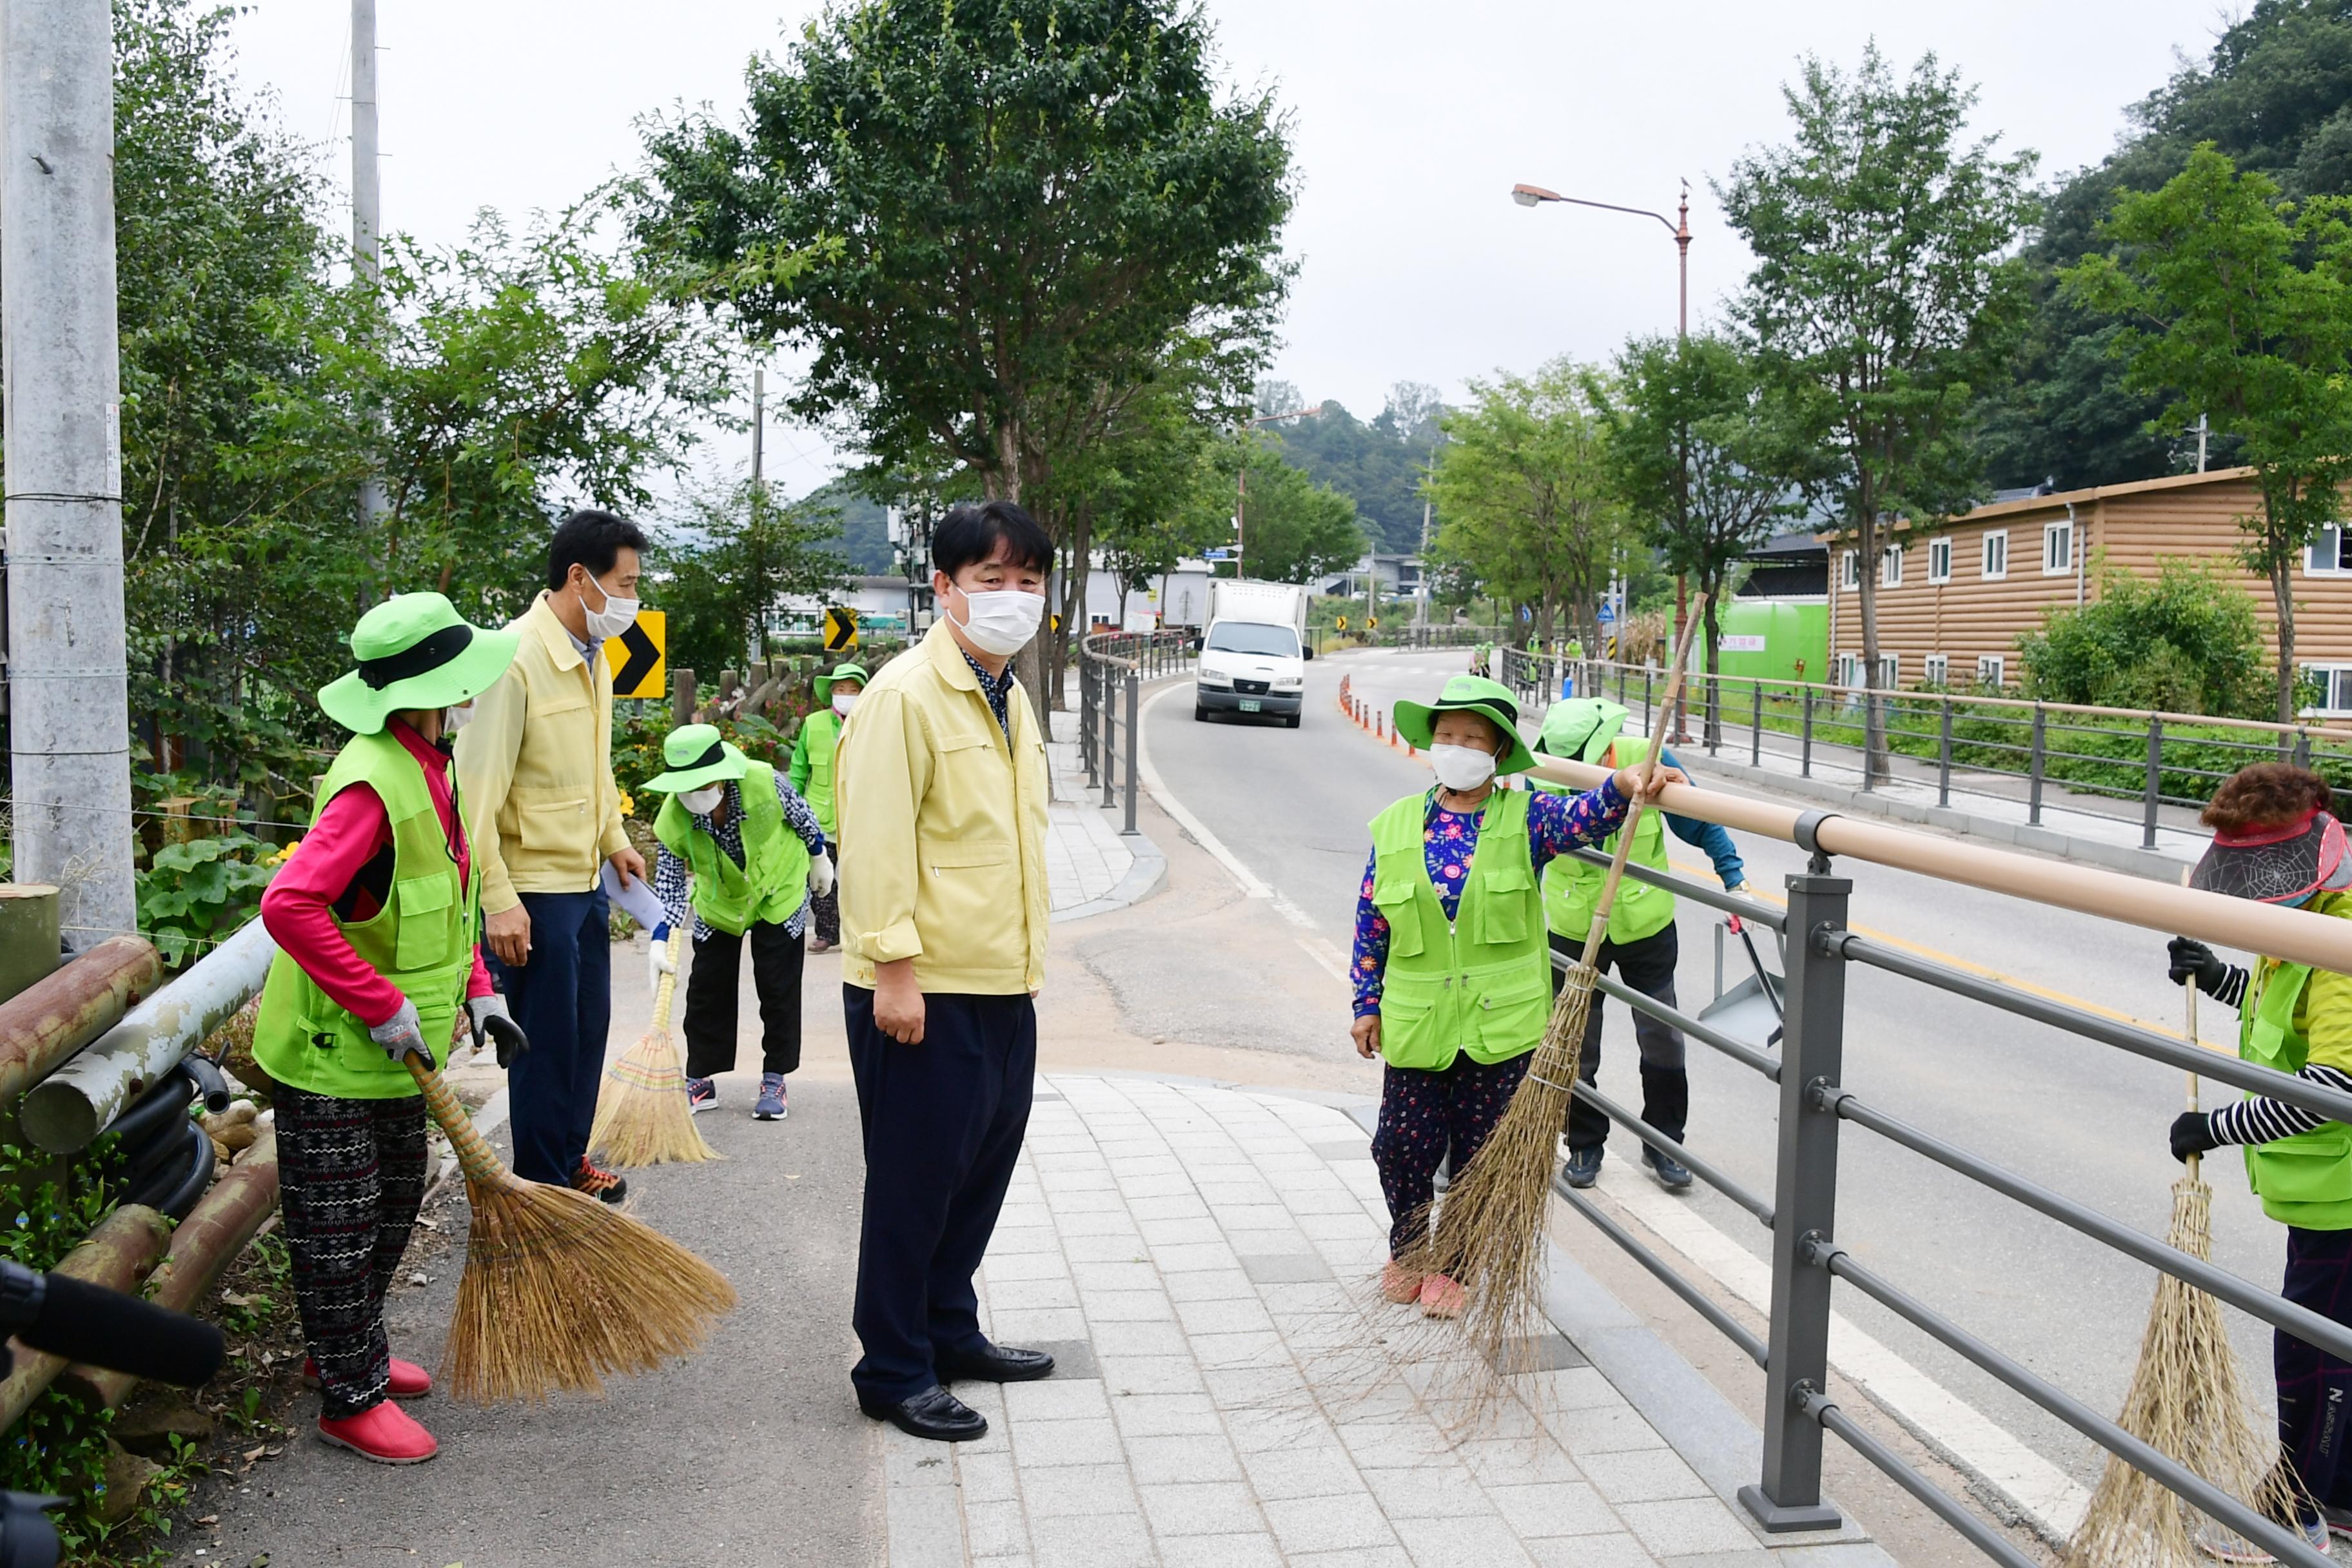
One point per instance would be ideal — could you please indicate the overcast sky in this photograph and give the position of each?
(1412, 122)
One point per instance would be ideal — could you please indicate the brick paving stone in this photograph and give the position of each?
(1055, 1399)
(1098, 1541)
(1164, 1414)
(1047, 1445)
(1568, 1508)
(1643, 1475)
(1200, 1507)
(1151, 1375)
(1227, 1284)
(1303, 1470)
(1199, 1457)
(1592, 1551)
(1685, 1527)
(1318, 1524)
(1129, 1307)
(1140, 1339)
(1078, 1489)
(1475, 1542)
(1229, 1315)
(994, 1528)
(1251, 1551)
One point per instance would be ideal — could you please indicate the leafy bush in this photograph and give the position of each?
(2187, 642)
(637, 749)
(193, 895)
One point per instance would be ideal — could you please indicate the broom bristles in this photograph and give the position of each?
(2185, 1400)
(642, 1115)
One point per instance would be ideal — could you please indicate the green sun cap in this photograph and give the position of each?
(414, 650)
(824, 683)
(1416, 720)
(1582, 729)
(696, 756)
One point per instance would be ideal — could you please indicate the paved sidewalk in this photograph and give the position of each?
(1090, 866)
(1201, 1258)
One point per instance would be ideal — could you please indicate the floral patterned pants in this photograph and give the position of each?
(1423, 1116)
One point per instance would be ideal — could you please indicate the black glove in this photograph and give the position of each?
(2192, 960)
(491, 1021)
(2192, 1133)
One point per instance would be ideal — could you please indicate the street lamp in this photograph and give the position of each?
(1528, 196)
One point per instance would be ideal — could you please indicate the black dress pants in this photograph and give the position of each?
(713, 985)
(944, 1121)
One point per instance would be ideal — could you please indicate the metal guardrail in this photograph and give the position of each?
(2155, 759)
(1801, 1211)
(1112, 664)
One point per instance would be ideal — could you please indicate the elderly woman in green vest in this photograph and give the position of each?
(1640, 945)
(812, 773)
(2276, 840)
(1453, 977)
(749, 850)
(374, 922)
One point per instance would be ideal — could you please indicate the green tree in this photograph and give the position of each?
(1009, 211)
(732, 552)
(1293, 529)
(1697, 452)
(1884, 296)
(2188, 641)
(1530, 507)
(1380, 465)
(2238, 306)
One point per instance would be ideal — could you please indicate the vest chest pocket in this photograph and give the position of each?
(1394, 897)
(424, 936)
(1503, 912)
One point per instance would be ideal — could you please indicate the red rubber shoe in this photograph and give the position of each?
(408, 1381)
(384, 1432)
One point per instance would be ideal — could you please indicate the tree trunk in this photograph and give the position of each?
(1711, 630)
(1874, 718)
(2282, 597)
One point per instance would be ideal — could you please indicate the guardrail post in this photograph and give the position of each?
(1756, 726)
(2302, 748)
(1649, 713)
(1788, 1495)
(1087, 718)
(1109, 735)
(2034, 771)
(1134, 685)
(1805, 730)
(1943, 754)
(2155, 781)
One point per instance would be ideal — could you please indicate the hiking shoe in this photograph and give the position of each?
(599, 1182)
(2337, 1519)
(1441, 1297)
(407, 1380)
(1398, 1284)
(1584, 1167)
(2225, 1545)
(1671, 1174)
(701, 1095)
(770, 1106)
(388, 1434)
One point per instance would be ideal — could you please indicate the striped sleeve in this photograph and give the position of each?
(2232, 992)
(2263, 1119)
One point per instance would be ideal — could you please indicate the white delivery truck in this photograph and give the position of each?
(1254, 651)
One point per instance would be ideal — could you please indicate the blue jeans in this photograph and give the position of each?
(563, 998)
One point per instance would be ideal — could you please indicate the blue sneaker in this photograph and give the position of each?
(701, 1095)
(770, 1106)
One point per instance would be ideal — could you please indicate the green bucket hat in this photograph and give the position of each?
(696, 756)
(414, 650)
(1581, 729)
(840, 673)
(1416, 720)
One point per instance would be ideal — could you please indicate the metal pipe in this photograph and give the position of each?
(1738, 1050)
(1698, 892)
(70, 710)
(1697, 1299)
(77, 1102)
(2320, 941)
(2160, 1467)
(1980, 1535)
(52, 1018)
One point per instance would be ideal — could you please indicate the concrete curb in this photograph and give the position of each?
(1142, 880)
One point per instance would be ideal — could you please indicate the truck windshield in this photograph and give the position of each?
(1253, 636)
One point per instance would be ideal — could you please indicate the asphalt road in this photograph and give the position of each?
(1291, 805)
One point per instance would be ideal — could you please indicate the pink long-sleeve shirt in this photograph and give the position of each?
(334, 875)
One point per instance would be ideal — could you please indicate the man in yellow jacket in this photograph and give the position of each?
(535, 765)
(940, 791)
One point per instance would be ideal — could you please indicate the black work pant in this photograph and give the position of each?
(944, 1121)
(2315, 1388)
(350, 1176)
(715, 982)
(1648, 967)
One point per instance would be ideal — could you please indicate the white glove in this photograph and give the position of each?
(658, 961)
(402, 1035)
(820, 875)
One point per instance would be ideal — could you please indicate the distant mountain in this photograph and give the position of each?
(1378, 465)
(862, 541)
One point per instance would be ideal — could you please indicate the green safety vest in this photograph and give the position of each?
(422, 941)
(820, 738)
(774, 879)
(1480, 982)
(1572, 888)
(2305, 1180)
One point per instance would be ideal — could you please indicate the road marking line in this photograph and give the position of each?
(2051, 1501)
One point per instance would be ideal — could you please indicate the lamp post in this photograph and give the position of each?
(1528, 196)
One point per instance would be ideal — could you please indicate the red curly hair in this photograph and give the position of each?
(2265, 796)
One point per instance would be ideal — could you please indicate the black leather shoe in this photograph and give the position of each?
(1671, 1174)
(934, 1414)
(997, 1364)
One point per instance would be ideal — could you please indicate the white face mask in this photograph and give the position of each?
(1461, 768)
(456, 718)
(617, 616)
(703, 802)
(1000, 621)
(842, 701)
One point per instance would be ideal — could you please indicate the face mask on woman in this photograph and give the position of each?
(617, 616)
(1000, 621)
(701, 801)
(842, 701)
(1461, 768)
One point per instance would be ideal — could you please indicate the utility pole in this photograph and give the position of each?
(759, 418)
(69, 711)
(2204, 427)
(367, 211)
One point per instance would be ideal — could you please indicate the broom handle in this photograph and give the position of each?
(2190, 990)
(668, 983)
(1649, 771)
(475, 1157)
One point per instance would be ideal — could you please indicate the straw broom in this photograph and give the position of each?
(1488, 1234)
(642, 1117)
(2186, 1401)
(559, 1289)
